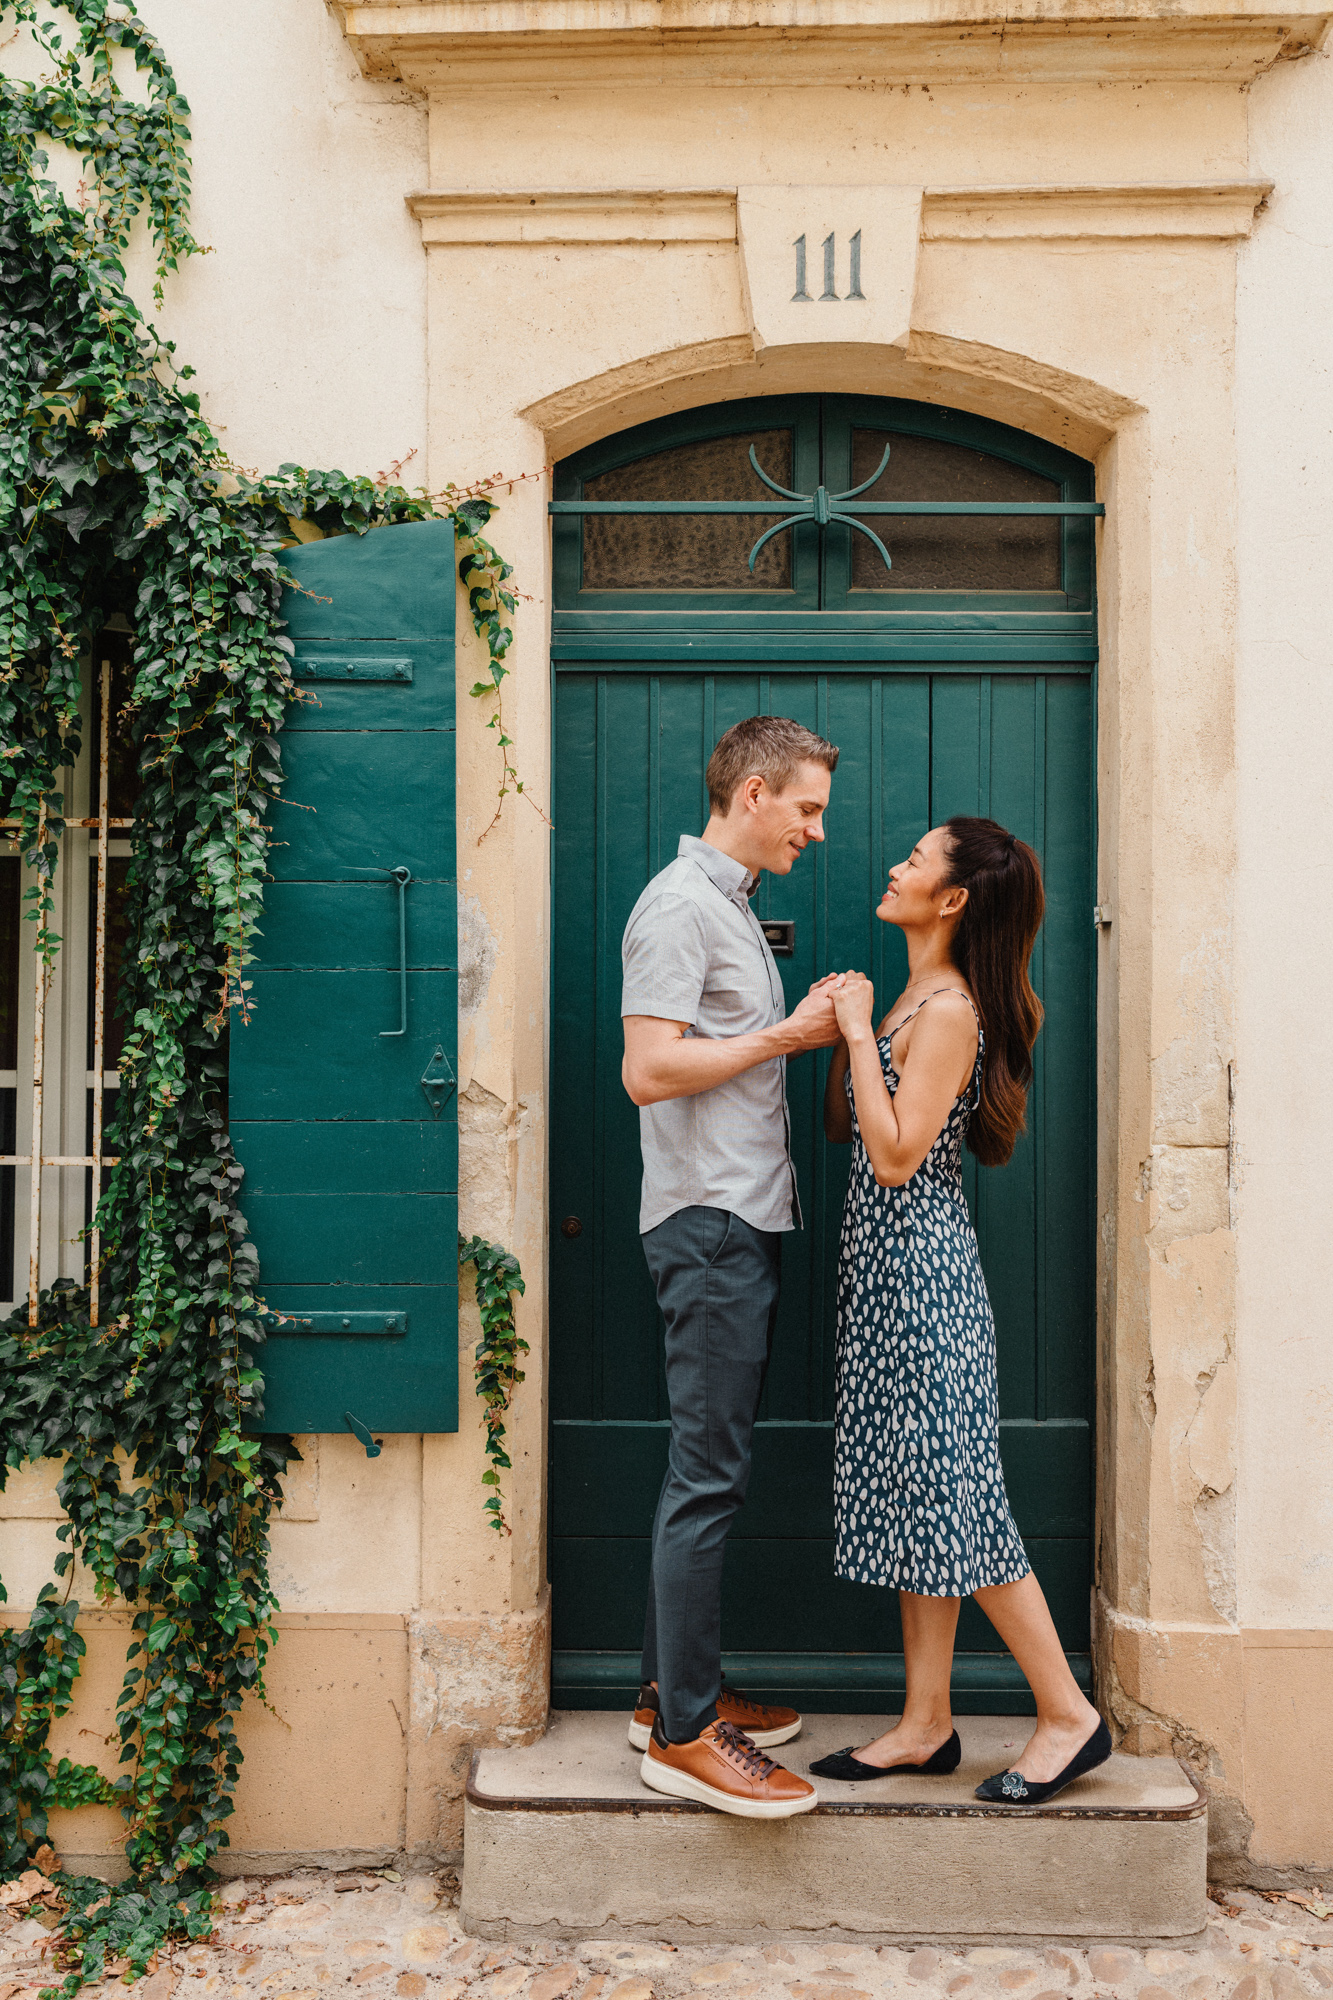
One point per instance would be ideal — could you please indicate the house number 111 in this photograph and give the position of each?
(830, 291)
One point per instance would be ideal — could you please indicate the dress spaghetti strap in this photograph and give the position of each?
(981, 1035)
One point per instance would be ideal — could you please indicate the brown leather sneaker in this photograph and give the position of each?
(764, 1726)
(723, 1768)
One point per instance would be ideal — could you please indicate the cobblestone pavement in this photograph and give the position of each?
(308, 1935)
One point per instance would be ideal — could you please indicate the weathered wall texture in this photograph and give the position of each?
(1074, 271)
(1284, 689)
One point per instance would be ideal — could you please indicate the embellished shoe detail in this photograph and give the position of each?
(1011, 1788)
(847, 1767)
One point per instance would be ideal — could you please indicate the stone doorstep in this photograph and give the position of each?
(565, 1840)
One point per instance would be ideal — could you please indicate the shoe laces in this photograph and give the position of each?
(735, 1700)
(734, 1743)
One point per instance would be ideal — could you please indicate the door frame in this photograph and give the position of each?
(964, 635)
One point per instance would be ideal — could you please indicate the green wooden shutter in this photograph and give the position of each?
(346, 1127)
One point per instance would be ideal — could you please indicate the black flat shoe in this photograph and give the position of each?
(1011, 1788)
(842, 1764)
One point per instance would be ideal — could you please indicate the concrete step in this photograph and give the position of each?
(563, 1839)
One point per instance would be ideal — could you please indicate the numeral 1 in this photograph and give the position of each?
(856, 292)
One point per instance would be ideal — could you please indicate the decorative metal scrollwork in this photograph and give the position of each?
(821, 507)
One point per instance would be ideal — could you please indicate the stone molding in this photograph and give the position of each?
(502, 44)
(1222, 209)
(1202, 208)
(611, 215)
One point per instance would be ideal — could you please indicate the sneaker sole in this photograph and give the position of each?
(640, 1735)
(681, 1785)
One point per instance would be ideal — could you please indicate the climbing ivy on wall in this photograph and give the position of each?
(115, 496)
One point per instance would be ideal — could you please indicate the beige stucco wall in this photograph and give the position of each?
(1284, 687)
(1150, 332)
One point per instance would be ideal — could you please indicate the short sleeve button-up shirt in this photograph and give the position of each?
(694, 951)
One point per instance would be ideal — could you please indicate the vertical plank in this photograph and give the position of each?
(795, 896)
(628, 1370)
(656, 859)
(904, 807)
(955, 786)
(1038, 1102)
(1068, 1056)
(1007, 1196)
(573, 1070)
(955, 745)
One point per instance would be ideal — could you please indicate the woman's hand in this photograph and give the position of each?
(854, 1005)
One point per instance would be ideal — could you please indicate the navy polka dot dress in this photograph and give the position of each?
(917, 1484)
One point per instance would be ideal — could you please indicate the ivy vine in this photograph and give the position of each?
(116, 497)
(497, 1371)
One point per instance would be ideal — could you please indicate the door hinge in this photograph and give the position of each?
(1101, 916)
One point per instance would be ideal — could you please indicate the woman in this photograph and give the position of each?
(918, 1485)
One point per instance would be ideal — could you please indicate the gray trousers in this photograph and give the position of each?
(717, 1285)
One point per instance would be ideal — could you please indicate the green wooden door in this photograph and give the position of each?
(342, 1094)
(918, 741)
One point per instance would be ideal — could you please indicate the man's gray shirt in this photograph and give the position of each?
(694, 951)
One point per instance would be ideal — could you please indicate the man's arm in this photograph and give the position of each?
(662, 1062)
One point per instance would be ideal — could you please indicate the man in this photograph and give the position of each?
(706, 1042)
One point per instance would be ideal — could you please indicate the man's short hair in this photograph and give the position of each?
(768, 746)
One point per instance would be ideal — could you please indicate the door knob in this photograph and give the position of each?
(571, 1226)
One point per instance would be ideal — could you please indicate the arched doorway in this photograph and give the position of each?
(961, 678)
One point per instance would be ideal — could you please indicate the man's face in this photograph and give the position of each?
(784, 823)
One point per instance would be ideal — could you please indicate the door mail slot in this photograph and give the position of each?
(781, 935)
(352, 667)
(388, 1325)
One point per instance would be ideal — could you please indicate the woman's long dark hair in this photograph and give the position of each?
(992, 947)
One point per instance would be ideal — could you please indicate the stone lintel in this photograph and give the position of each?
(502, 44)
(1222, 209)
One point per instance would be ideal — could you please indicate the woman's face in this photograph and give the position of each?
(915, 890)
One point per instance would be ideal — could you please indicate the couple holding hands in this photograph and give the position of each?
(918, 1486)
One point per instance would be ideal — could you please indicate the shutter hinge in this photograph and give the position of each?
(438, 1081)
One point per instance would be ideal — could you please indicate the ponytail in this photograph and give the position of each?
(992, 948)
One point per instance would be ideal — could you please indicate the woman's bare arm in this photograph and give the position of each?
(900, 1130)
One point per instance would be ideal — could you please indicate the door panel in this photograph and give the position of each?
(630, 751)
(604, 1581)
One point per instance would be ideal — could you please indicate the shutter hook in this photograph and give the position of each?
(359, 1431)
(402, 876)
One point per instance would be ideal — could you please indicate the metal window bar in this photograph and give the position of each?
(37, 1159)
(1095, 508)
(823, 507)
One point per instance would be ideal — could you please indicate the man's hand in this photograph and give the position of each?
(813, 1023)
(662, 1061)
